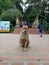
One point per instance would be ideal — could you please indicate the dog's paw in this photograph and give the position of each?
(22, 49)
(25, 49)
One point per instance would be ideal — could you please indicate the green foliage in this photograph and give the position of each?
(47, 18)
(11, 28)
(5, 5)
(46, 27)
(33, 1)
(11, 15)
(31, 13)
(17, 4)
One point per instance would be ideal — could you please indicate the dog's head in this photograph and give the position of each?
(24, 29)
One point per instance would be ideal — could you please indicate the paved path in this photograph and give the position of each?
(36, 54)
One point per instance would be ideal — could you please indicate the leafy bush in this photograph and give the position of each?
(10, 15)
(46, 27)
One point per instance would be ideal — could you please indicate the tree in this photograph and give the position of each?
(11, 15)
(32, 10)
(17, 4)
(35, 8)
(5, 5)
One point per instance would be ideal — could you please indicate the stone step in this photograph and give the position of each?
(30, 30)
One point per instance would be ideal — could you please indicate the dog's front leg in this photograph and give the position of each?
(26, 44)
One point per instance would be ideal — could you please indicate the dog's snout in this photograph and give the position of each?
(25, 31)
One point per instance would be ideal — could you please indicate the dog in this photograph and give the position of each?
(24, 38)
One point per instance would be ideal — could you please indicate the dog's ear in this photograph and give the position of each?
(23, 26)
(26, 27)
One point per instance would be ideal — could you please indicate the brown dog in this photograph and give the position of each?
(24, 38)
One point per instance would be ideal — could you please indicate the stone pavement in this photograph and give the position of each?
(37, 53)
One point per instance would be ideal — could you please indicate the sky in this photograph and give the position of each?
(24, 0)
(24, 7)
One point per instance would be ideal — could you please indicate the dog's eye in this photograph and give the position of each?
(24, 28)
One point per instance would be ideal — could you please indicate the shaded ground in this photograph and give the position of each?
(36, 54)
